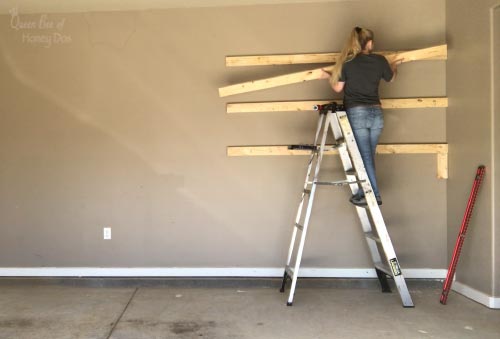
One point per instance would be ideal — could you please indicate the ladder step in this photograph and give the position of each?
(289, 271)
(334, 146)
(373, 236)
(299, 226)
(303, 147)
(306, 191)
(338, 183)
(340, 143)
(384, 268)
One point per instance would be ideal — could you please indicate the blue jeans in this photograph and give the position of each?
(367, 123)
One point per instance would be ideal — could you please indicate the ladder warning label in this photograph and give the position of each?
(396, 270)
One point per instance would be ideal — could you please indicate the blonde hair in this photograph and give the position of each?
(356, 43)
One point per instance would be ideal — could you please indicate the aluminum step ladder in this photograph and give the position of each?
(379, 243)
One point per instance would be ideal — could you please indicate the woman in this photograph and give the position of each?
(358, 72)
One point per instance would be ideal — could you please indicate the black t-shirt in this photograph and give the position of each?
(362, 76)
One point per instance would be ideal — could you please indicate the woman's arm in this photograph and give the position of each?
(338, 87)
(394, 68)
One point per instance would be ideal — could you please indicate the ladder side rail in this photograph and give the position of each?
(344, 155)
(307, 179)
(301, 204)
(390, 254)
(337, 131)
(375, 212)
(314, 154)
(308, 211)
(300, 249)
(362, 213)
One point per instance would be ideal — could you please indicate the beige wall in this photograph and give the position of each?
(123, 127)
(471, 136)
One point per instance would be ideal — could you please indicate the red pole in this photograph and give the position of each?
(461, 235)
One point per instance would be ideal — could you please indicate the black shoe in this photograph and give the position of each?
(355, 197)
(358, 201)
(361, 201)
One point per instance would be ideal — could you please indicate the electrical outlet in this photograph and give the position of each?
(107, 233)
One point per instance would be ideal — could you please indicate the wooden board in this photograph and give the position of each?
(442, 165)
(293, 106)
(437, 53)
(235, 151)
(283, 59)
(281, 80)
(441, 151)
(313, 74)
(430, 53)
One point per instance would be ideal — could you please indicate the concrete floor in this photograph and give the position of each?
(37, 309)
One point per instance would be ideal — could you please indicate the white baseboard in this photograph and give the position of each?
(476, 295)
(269, 272)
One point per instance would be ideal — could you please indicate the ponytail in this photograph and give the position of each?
(356, 43)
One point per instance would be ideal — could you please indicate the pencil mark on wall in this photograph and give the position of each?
(114, 30)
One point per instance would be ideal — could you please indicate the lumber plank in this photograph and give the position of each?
(432, 53)
(313, 74)
(281, 59)
(441, 151)
(235, 151)
(414, 103)
(412, 148)
(442, 165)
(280, 106)
(293, 106)
(281, 80)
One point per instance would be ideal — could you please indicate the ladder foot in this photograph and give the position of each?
(289, 303)
(412, 306)
(283, 283)
(384, 284)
